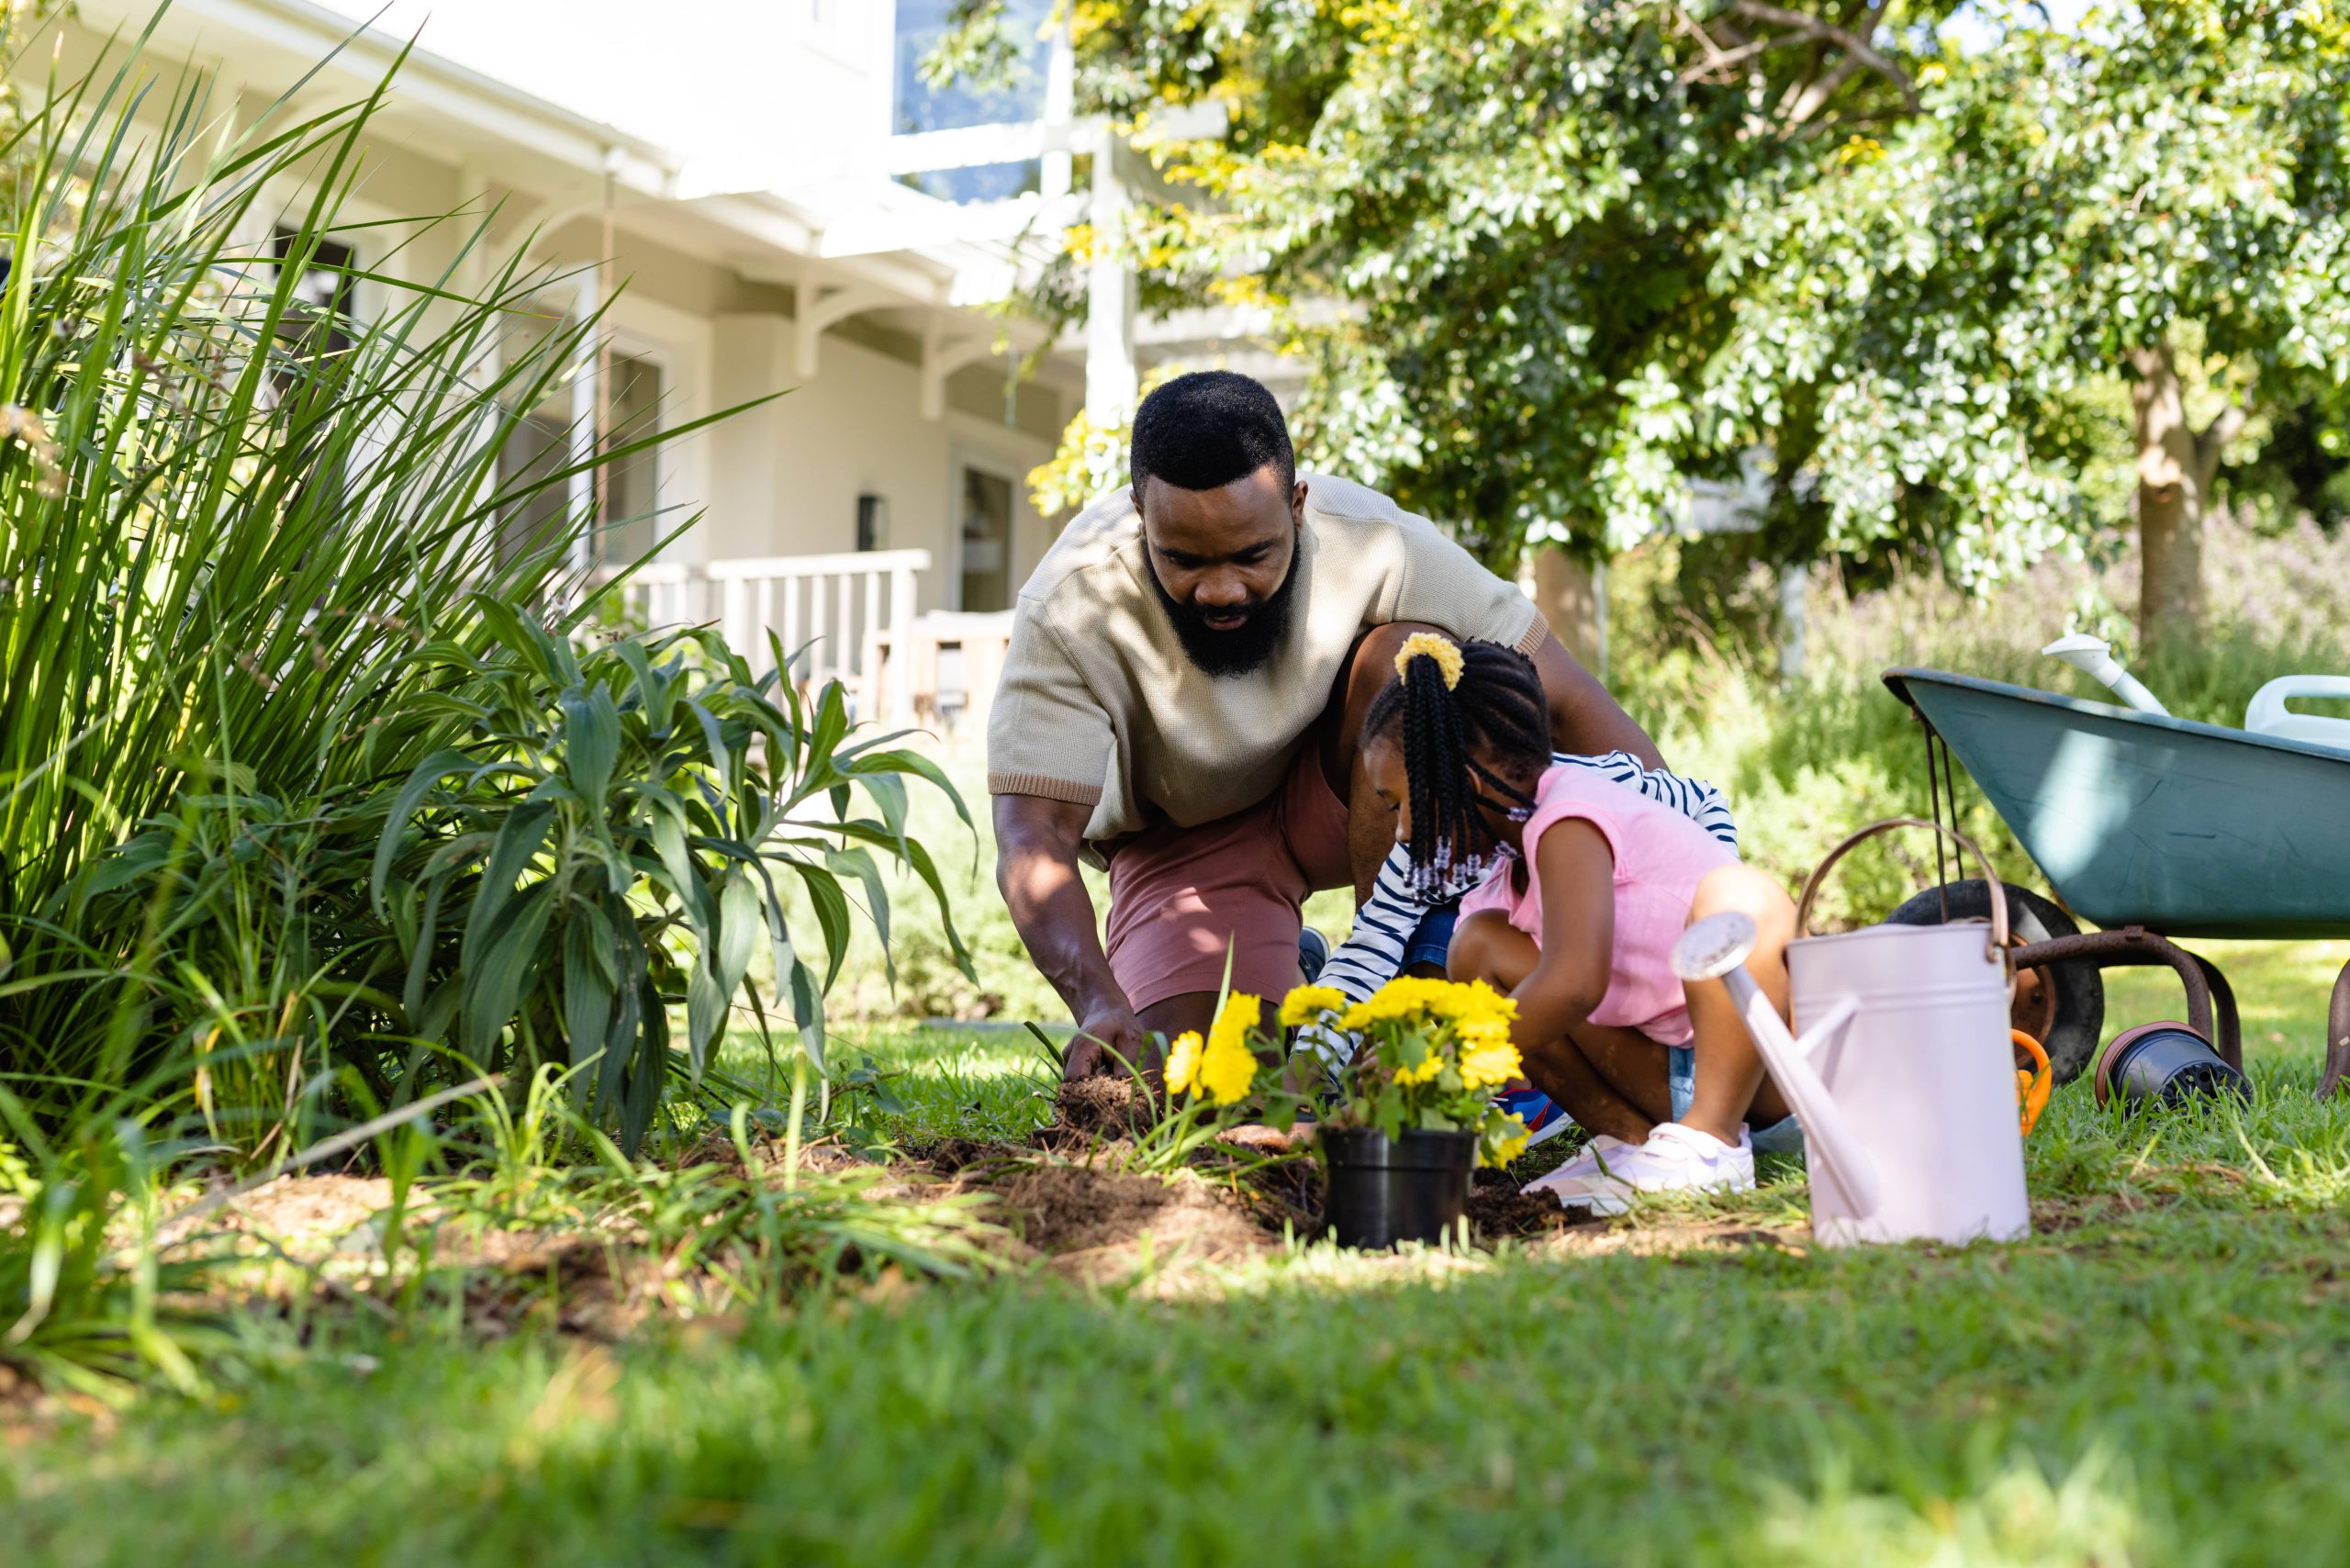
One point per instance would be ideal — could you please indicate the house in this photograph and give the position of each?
(771, 199)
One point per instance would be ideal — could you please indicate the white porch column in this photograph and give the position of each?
(1109, 297)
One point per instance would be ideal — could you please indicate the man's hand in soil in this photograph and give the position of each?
(1105, 1030)
(1036, 848)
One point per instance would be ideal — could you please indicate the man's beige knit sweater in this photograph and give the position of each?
(1099, 706)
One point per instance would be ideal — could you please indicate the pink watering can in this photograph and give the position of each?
(1903, 1076)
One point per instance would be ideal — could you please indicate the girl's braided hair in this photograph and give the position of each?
(1452, 705)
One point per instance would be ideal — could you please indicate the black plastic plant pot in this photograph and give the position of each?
(1383, 1191)
(2165, 1064)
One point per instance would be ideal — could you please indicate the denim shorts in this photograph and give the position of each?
(1432, 939)
(1783, 1135)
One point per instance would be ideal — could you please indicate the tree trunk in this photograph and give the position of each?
(1574, 600)
(2176, 465)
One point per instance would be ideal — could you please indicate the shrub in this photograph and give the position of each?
(607, 843)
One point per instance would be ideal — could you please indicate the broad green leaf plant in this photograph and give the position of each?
(628, 826)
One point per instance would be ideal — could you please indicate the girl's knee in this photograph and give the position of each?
(1479, 942)
(1748, 892)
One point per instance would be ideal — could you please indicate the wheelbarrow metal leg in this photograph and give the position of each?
(2134, 945)
(2230, 1041)
(2337, 1036)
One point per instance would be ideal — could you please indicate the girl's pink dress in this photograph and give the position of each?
(1660, 857)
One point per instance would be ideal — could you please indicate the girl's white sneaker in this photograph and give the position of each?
(1580, 1167)
(1676, 1159)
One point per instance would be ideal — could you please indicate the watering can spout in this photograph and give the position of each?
(2093, 657)
(1715, 949)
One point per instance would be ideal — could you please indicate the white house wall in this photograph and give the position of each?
(783, 479)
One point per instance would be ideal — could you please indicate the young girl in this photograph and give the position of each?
(1590, 884)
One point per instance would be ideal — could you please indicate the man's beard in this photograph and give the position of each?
(1237, 650)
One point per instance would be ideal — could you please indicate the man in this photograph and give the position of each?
(1189, 668)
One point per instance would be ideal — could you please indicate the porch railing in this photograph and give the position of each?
(833, 614)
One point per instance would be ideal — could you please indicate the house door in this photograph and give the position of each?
(987, 540)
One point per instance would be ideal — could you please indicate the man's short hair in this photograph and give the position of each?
(1202, 431)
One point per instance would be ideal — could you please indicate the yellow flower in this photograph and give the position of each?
(1399, 1001)
(1308, 1002)
(1183, 1062)
(1488, 1062)
(1435, 645)
(1511, 1142)
(1424, 1073)
(1228, 1067)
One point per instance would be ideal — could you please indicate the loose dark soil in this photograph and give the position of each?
(1091, 1110)
(1103, 1223)
(1497, 1209)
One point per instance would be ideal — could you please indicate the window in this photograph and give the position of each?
(922, 108)
(987, 540)
(631, 523)
(540, 446)
(554, 435)
(318, 318)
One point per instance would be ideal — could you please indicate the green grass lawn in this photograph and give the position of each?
(2157, 1377)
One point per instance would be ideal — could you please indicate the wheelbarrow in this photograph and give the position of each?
(2152, 827)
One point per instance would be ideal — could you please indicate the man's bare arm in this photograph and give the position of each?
(1584, 719)
(1036, 844)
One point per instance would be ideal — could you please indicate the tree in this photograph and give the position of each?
(2166, 185)
(1549, 261)
(1489, 226)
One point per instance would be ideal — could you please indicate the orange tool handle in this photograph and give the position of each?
(2032, 1087)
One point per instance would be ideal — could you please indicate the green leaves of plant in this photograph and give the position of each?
(611, 847)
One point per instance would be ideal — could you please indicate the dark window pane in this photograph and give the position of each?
(987, 540)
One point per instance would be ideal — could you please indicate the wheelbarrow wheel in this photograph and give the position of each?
(2060, 1005)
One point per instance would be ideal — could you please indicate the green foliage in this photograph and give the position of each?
(1547, 263)
(223, 542)
(2142, 1381)
(608, 842)
(90, 1301)
(1418, 1052)
(255, 950)
(733, 1227)
(1490, 230)
(2168, 177)
(1804, 762)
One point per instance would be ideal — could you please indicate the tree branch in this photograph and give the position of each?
(2213, 440)
(1801, 25)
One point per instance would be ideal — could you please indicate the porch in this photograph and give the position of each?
(848, 617)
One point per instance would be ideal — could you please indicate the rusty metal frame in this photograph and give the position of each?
(2209, 998)
(2337, 1036)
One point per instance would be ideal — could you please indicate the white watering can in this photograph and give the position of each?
(2267, 716)
(2264, 715)
(1904, 1078)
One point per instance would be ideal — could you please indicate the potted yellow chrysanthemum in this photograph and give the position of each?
(1418, 1113)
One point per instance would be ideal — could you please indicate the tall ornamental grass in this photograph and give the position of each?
(231, 517)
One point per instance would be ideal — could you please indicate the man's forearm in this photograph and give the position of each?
(1053, 915)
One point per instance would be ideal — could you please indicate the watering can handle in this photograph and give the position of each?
(1998, 948)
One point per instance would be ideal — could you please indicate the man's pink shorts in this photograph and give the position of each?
(1178, 895)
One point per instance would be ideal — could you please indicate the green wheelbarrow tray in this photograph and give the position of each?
(2148, 824)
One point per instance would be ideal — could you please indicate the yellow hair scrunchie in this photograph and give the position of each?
(1439, 648)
